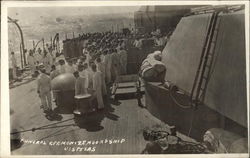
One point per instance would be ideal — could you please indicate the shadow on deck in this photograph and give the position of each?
(92, 121)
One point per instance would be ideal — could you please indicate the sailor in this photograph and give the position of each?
(115, 64)
(54, 72)
(84, 50)
(62, 66)
(97, 87)
(90, 75)
(108, 64)
(102, 56)
(44, 90)
(38, 56)
(83, 73)
(123, 60)
(74, 64)
(47, 62)
(100, 67)
(87, 54)
(53, 55)
(138, 43)
(31, 62)
(69, 68)
(82, 60)
(159, 41)
(14, 65)
(80, 87)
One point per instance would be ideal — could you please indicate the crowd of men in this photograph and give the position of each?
(103, 58)
(95, 69)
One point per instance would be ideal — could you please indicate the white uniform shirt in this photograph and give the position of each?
(97, 81)
(84, 74)
(43, 83)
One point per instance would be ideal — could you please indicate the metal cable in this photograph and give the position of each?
(43, 127)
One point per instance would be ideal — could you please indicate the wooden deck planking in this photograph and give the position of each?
(120, 120)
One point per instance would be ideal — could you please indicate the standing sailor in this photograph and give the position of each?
(47, 62)
(80, 87)
(44, 90)
(123, 60)
(38, 56)
(14, 65)
(69, 68)
(100, 67)
(115, 64)
(62, 68)
(32, 62)
(53, 55)
(83, 73)
(97, 87)
(54, 72)
(108, 64)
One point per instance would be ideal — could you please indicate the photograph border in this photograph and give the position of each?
(5, 111)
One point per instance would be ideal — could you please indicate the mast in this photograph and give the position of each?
(21, 56)
(14, 21)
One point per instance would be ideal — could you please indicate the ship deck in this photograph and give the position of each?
(121, 123)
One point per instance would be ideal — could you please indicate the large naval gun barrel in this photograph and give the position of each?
(63, 87)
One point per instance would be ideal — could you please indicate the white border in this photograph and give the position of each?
(5, 118)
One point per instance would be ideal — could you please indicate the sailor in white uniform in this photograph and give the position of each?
(80, 87)
(69, 68)
(62, 68)
(44, 90)
(108, 64)
(101, 67)
(83, 73)
(47, 62)
(31, 62)
(123, 60)
(38, 56)
(97, 87)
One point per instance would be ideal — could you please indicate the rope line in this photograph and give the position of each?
(44, 127)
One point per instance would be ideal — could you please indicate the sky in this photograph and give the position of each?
(23, 13)
(38, 22)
